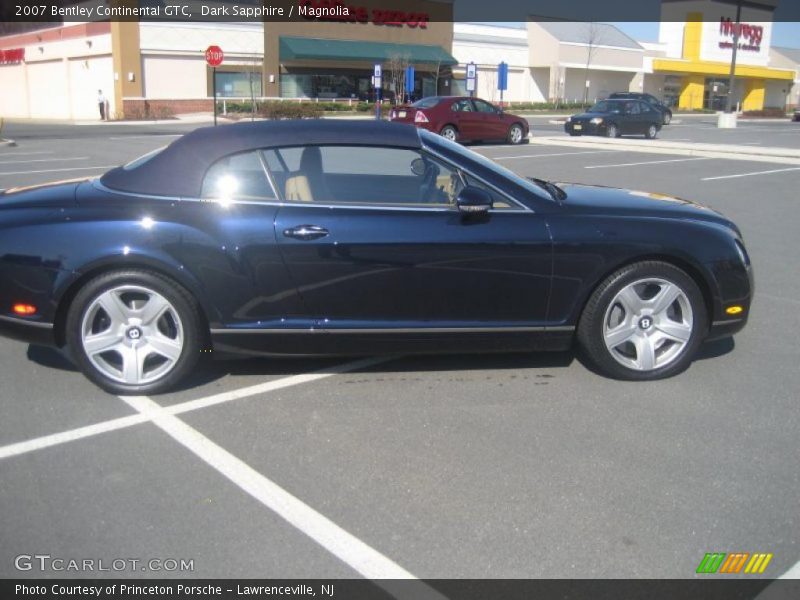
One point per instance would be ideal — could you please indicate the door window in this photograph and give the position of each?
(462, 105)
(238, 177)
(484, 107)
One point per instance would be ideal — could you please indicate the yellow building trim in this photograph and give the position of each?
(692, 36)
(708, 68)
(754, 94)
(691, 97)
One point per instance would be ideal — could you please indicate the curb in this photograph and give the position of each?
(787, 156)
(7, 143)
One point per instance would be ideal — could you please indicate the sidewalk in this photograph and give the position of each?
(790, 156)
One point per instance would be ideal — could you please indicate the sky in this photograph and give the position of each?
(786, 35)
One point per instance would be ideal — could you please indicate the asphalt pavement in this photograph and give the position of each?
(517, 466)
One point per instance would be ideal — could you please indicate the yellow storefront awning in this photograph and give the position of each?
(700, 67)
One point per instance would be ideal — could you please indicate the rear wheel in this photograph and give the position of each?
(515, 134)
(449, 132)
(644, 322)
(667, 118)
(651, 132)
(612, 131)
(134, 332)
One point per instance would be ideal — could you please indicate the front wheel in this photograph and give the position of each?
(651, 132)
(612, 131)
(644, 322)
(667, 118)
(449, 132)
(134, 332)
(515, 134)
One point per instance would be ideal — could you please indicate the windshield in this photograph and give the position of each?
(138, 162)
(437, 142)
(605, 106)
(428, 102)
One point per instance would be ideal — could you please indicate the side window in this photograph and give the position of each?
(499, 201)
(632, 108)
(237, 177)
(370, 175)
(647, 109)
(462, 105)
(484, 107)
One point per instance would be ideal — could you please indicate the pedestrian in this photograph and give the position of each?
(101, 103)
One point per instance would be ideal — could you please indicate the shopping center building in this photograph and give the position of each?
(56, 72)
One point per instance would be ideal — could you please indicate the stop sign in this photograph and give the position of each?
(214, 56)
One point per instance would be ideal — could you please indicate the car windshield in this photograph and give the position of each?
(436, 142)
(429, 102)
(138, 162)
(606, 106)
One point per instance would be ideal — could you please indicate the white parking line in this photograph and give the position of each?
(556, 154)
(25, 153)
(155, 135)
(13, 162)
(57, 170)
(346, 547)
(750, 174)
(120, 423)
(649, 162)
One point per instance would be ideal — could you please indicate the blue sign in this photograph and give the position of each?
(502, 76)
(409, 79)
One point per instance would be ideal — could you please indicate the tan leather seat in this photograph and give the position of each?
(308, 183)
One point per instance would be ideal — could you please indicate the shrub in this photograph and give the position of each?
(289, 110)
(769, 111)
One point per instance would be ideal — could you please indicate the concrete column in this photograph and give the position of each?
(754, 94)
(692, 88)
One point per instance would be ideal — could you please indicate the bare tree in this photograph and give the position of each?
(436, 72)
(396, 66)
(593, 37)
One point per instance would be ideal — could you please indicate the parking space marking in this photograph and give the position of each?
(649, 162)
(750, 174)
(13, 162)
(155, 135)
(57, 170)
(25, 153)
(120, 423)
(556, 154)
(346, 547)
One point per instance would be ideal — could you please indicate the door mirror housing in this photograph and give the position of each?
(473, 199)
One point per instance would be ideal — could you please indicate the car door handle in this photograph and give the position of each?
(306, 232)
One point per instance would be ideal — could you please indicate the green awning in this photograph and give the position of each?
(295, 48)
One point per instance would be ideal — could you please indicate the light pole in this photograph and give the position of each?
(732, 77)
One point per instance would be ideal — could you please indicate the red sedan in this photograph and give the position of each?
(460, 118)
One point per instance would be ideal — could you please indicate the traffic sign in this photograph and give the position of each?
(378, 71)
(409, 79)
(471, 70)
(472, 76)
(214, 56)
(502, 76)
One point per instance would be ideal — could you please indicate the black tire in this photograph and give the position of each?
(574, 133)
(591, 326)
(184, 306)
(651, 132)
(512, 131)
(667, 118)
(449, 132)
(612, 131)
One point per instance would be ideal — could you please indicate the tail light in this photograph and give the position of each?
(420, 117)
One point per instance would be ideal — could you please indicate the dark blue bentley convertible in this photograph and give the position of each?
(320, 237)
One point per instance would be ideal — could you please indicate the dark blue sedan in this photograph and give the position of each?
(615, 118)
(353, 238)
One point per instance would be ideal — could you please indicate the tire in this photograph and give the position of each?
(449, 132)
(134, 332)
(515, 134)
(627, 334)
(574, 134)
(612, 131)
(667, 118)
(651, 132)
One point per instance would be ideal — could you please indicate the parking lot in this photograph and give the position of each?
(498, 466)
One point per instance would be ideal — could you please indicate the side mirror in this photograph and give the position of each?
(473, 199)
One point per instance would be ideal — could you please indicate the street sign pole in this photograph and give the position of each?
(214, 91)
(377, 77)
(502, 79)
(472, 77)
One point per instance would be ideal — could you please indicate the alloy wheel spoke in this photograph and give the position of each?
(164, 346)
(645, 353)
(102, 342)
(156, 306)
(132, 364)
(620, 335)
(114, 307)
(679, 332)
(629, 300)
(665, 297)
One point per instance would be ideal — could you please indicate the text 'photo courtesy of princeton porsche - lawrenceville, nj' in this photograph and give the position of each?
(410, 299)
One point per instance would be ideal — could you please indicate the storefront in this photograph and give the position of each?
(693, 57)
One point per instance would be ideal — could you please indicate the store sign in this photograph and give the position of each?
(337, 10)
(12, 56)
(750, 36)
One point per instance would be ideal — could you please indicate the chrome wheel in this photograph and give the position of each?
(515, 135)
(132, 334)
(449, 133)
(611, 131)
(648, 324)
(652, 131)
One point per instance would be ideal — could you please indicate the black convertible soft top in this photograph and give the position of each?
(178, 170)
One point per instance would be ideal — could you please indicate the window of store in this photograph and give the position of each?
(238, 84)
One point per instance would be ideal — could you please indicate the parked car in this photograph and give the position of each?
(614, 118)
(461, 118)
(666, 112)
(796, 114)
(356, 238)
